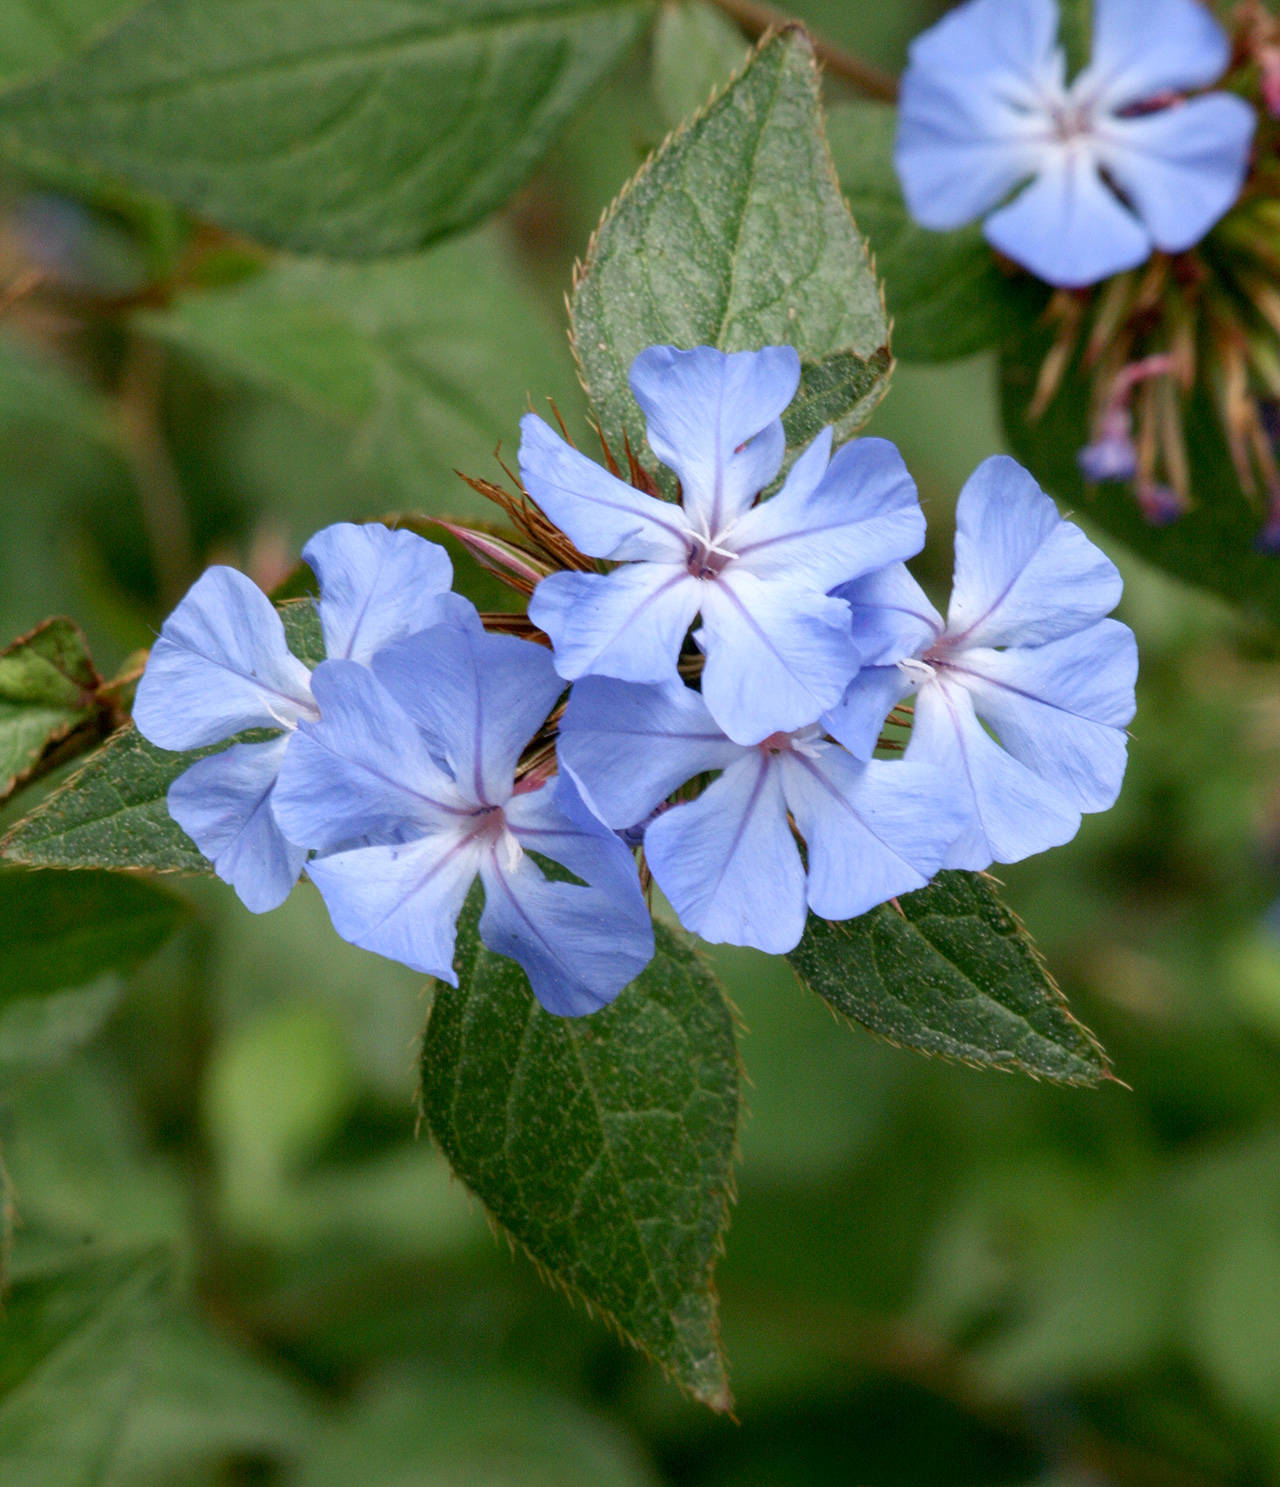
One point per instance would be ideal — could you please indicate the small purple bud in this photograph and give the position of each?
(1160, 504)
(1108, 459)
(1268, 539)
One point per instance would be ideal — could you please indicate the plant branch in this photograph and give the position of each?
(756, 19)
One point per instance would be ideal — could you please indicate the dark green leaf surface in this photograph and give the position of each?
(47, 687)
(326, 126)
(74, 1344)
(36, 35)
(945, 292)
(735, 235)
(951, 973)
(604, 1145)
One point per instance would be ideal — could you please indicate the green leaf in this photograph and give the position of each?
(604, 1145)
(734, 234)
(36, 35)
(1213, 545)
(696, 49)
(48, 687)
(944, 291)
(113, 813)
(426, 373)
(327, 127)
(950, 971)
(75, 1341)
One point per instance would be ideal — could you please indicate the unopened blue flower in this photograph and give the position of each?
(776, 643)
(222, 665)
(419, 754)
(1118, 161)
(1025, 649)
(728, 861)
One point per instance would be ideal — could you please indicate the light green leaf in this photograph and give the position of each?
(603, 1145)
(944, 291)
(75, 1342)
(734, 234)
(329, 127)
(950, 971)
(425, 372)
(113, 813)
(36, 35)
(696, 49)
(48, 688)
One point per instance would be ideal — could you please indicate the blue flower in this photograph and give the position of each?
(221, 666)
(728, 861)
(419, 755)
(1117, 162)
(776, 644)
(1024, 648)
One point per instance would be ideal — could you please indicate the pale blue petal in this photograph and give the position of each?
(728, 863)
(778, 655)
(1023, 575)
(1143, 48)
(377, 584)
(714, 418)
(856, 720)
(401, 901)
(629, 623)
(1183, 167)
(1061, 708)
(362, 769)
(892, 616)
(554, 822)
(480, 698)
(602, 516)
(1010, 42)
(221, 665)
(224, 805)
(1012, 813)
(861, 514)
(1068, 227)
(629, 746)
(872, 830)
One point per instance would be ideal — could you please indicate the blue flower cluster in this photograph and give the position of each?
(1119, 161)
(401, 770)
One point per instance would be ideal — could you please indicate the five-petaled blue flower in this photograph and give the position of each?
(1024, 648)
(728, 861)
(759, 573)
(1119, 161)
(416, 757)
(222, 666)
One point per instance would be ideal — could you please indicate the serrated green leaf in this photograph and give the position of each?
(113, 813)
(734, 234)
(327, 127)
(696, 49)
(949, 970)
(74, 1346)
(603, 1145)
(944, 291)
(36, 35)
(48, 687)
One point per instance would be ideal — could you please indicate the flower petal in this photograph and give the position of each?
(224, 804)
(628, 747)
(221, 665)
(555, 822)
(892, 616)
(1023, 575)
(377, 585)
(629, 623)
(602, 516)
(872, 830)
(401, 901)
(480, 698)
(778, 656)
(1012, 813)
(728, 862)
(362, 769)
(1061, 708)
(861, 514)
(714, 418)
(1183, 167)
(856, 720)
(1068, 227)
(1142, 48)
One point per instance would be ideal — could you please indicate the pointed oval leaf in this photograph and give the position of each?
(603, 1145)
(36, 35)
(734, 234)
(326, 127)
(949, 970)
(48, 688)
